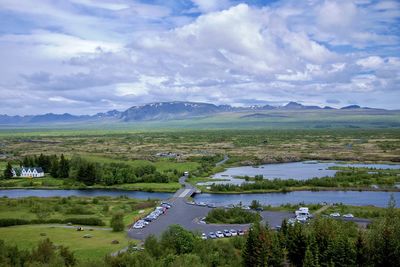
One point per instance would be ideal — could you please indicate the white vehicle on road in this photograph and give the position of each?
(349, 215)
(335, 214)
(234, 232)
(219, 234)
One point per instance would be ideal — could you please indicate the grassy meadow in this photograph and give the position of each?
(31, 208)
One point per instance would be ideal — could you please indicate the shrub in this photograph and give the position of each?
(232, 216)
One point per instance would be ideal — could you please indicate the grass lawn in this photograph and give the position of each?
(27, 237)
(368, 212)
(31, 208)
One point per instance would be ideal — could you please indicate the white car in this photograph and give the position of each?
(233, 232)
(335, 214)
(219, 234)
(349, 215)
(203, 236)
(138, 225)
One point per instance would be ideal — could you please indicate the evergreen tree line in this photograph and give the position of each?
(90, 172)
(57, 167)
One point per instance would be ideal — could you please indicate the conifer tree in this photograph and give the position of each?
(8, 173)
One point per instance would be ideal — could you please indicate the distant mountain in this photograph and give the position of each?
(162, 111)
(351, 107)
(295, 106)
(170, 110)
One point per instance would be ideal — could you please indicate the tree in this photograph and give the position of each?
(54, 167)
(44, 252)
(251, 252)
(117, 222)
(361, 250)
(178, 239)
(384, 238)
(255, 204)
(8, 173)
(152, 246)
(68, 256)
(63, 170)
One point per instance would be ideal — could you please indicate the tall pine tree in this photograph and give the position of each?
(63, 169)
(8, 173)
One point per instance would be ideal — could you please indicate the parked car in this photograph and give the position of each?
(348, 215)
(203, 236)
(240, 232)
(246, 208)
(139, 225)
(202, 204)
(165, 205)
(211, 205)
(219, 234)
(335, 214)
(212, 235)
(227, 233)
(233, 232)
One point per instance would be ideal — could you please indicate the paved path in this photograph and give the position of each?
(226, 158)
(322, 209)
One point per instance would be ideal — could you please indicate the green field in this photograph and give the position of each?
(32, 208)
(94, 248)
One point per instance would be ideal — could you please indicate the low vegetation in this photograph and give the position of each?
(345, 178)
(76, 210)
(235, 215)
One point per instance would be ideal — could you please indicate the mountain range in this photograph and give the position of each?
(163, 111)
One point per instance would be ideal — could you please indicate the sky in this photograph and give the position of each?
(89, 56)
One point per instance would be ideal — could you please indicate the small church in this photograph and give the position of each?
(28, 172)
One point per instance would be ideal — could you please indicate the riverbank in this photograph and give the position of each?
(69, 184)
(298, 189)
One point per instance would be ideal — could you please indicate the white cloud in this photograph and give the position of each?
(95, 55)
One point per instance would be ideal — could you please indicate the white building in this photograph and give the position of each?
(29, 172)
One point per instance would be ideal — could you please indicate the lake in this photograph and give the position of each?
(356, 198)
(16, 193)
(292, 170)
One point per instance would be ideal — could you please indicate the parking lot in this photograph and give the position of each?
(188, 216)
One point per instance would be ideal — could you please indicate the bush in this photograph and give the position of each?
(117, 222)
(84, 221)
(232, 216)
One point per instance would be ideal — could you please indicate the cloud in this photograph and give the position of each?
(89, 56)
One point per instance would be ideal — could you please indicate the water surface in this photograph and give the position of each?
(356, 198)
(292, 170)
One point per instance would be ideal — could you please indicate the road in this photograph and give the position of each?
(188, 216)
